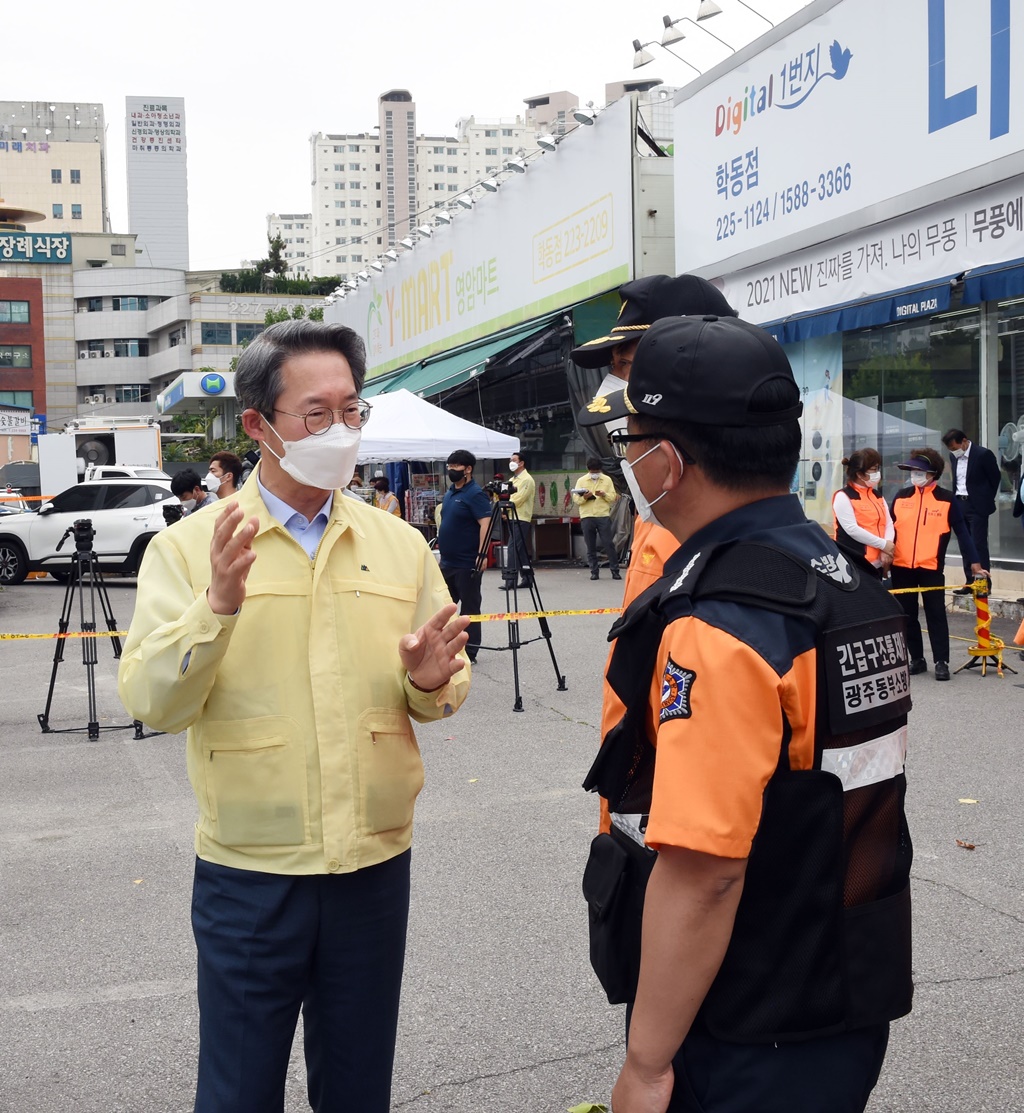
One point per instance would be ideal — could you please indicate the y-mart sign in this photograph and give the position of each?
(855, 111)
(553, 236)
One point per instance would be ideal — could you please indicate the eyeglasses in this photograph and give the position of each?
(320, 419)
(620, 441)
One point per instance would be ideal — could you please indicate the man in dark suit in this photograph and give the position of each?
(975, 474)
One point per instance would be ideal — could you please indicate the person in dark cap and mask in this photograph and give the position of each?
(643, 302)
(759, 845)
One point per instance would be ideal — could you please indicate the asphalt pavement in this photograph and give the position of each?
(500, 1009)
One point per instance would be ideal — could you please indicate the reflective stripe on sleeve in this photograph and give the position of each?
(881, 759)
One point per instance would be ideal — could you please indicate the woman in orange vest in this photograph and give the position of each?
(861, 523)
(924, 515)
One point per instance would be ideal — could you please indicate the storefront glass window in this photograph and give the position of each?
(894, 388)
(1006, 533)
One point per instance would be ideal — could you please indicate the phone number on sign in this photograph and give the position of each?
(830, 183)
(582, 236)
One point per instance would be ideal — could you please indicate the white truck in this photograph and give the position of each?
(99, 448)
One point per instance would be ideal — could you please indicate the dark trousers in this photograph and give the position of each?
(833, 1074)
(518, 551)
(977, 527)
(464, 587)
(268, 944)
(599, 528)
(934, 611)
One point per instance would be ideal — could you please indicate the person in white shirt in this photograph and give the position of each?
(862, 524)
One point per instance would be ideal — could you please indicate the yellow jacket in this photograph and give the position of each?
(300, 750)
(601, 506)
(524, 494)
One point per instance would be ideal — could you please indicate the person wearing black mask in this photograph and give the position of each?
(465, 521)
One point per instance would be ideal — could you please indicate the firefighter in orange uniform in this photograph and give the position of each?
(644, 301)
(759, 848)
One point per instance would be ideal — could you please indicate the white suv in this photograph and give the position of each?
(125, 513)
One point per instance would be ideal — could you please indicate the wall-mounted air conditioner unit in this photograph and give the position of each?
(107, 355)
(83, 355)
(94, 355)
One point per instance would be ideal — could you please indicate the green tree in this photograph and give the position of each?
(316, 313)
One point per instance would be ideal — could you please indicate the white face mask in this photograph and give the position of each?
(513, 466)
(640, 501)
(595, 475)
(188, 504)
(874, 477)
(325, 461)
(211, 482)
(919, 478)
(958, 452)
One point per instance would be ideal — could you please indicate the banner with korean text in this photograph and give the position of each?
(977, 230)
(856, 111)
(548, 238)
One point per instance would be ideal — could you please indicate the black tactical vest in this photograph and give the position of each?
(821, 942)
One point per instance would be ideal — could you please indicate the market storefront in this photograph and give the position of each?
(888, 254)
(480, 316)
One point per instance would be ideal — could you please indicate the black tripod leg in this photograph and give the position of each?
(108, 611)
(512, 605)
(58, 654)
(545, 631)
(89, 654)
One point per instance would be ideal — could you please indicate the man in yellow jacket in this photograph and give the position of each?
(595, 496)
(295, 633)
(519, 531)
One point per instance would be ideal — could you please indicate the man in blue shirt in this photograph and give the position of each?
(465, 524)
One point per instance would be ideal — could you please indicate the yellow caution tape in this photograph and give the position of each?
(69, 634)
(515, 615)
(504, 616)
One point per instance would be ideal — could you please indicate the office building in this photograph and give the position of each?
(156, 159)
(53, 161)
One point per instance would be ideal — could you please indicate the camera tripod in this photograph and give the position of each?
(85, 577)
(505, 512)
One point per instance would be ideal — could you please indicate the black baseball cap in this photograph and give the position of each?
(700, 369)
(917, 463)
(647, 300)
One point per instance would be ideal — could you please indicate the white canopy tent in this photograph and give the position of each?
(403, 426)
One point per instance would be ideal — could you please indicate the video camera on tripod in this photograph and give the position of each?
(503, 489)
(86, 581)
(82, 531)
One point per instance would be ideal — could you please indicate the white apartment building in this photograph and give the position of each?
(53, 160)
(295, 230)
(370, 190)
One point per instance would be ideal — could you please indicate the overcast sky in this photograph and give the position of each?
(258, 80)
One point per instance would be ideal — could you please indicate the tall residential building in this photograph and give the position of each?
(371, 189)
(155, 153)
(53, 160)
(295, 232)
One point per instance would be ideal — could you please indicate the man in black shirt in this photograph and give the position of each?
(465, 521)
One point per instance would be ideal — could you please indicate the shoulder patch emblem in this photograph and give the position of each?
(676, 685)
(835, 567)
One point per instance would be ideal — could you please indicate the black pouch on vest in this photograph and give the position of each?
(614, 884)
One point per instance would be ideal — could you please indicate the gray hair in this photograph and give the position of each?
(258, 375)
